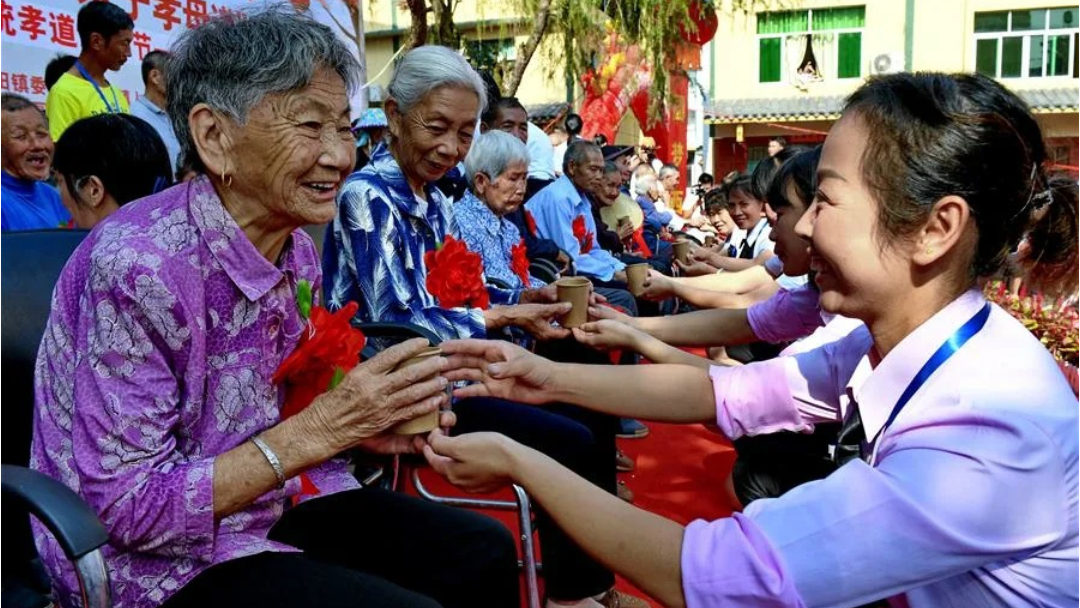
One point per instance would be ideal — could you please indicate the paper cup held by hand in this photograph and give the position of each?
(635, 278)
(427, 422)
(682, 250)
(576, 291)
(710, 241)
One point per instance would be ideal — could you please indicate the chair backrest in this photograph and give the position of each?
(30, 264)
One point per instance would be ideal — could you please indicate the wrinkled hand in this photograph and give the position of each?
(392, 443)
(607, 335)
(625, 231)
(696, 221)
(372, 398)
(696, 269)
(498, 369)
(596, 298)
(537, 318)
(544, 295)
(474, 462)
(657, 286)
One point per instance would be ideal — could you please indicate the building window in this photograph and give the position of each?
(1036, 43)
(810, 45)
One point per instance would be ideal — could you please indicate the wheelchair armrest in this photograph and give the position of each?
(75, 526)
(545, 270)
(403, 331)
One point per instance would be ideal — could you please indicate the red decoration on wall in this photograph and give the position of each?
(706, 22)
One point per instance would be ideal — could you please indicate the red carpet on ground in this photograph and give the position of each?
(680, 474)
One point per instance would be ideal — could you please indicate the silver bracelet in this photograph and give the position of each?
(272, 458)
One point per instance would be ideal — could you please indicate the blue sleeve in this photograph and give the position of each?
(556, 222)
(389, 276)
(653, 217)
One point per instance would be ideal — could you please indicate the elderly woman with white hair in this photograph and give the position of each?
(155, 393)
(390, 215)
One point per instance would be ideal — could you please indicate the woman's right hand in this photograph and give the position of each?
(597, 313)
(373, 397)
(706, 255)
(498, 369)
(658, 287)
(607, 335)
(696, 269)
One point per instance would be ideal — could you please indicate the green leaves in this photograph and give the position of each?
(304, 298)
(339, 375)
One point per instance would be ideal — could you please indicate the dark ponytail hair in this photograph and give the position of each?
(966, 135)
(800, 172)
(123, 151)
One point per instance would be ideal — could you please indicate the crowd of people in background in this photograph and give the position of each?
(834, 286)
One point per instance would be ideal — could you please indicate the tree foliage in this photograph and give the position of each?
(652, 25)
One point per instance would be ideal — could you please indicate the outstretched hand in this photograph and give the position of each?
(498, 369)
(474, 462)
(657, 286)
(608, 334)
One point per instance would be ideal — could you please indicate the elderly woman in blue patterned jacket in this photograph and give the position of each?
(496, 168)
(389, 214)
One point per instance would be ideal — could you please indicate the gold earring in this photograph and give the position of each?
(929, 251)
(226, 179)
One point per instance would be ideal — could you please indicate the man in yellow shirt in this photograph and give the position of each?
(105, 31)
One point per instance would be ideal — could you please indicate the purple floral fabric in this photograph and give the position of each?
(166, 328)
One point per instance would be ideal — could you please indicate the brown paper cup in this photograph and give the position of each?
(427, 422)
(635, 278)
(576, 291)
(682, 251)
(710, 241)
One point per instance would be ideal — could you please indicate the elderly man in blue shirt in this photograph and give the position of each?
(557, 207)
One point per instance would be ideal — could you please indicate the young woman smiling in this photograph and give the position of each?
(961, 489)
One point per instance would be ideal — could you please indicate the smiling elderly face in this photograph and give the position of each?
(295, 150)
(434, 135)
(26, 145)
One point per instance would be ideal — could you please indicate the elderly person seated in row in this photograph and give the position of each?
(506, 114)
(27, 153)
(154, 392)
(392, 221)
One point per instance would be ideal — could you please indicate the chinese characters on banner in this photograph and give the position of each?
(36, 31)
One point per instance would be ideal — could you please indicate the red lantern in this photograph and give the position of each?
(704, 17)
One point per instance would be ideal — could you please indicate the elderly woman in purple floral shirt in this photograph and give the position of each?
(154, 393)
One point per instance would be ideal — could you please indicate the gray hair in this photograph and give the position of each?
(231, 63)
(492, 153)
(578, 152)
(667, 170)
(426, 68)
(10, 102)
(644, 184)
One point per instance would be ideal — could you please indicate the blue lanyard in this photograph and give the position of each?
(940, 356)
(86, 75)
